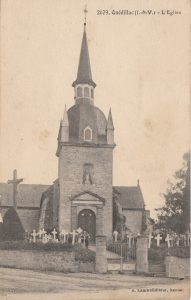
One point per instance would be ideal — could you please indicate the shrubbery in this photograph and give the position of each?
(84, 254)
(81, 253)
(158, 254)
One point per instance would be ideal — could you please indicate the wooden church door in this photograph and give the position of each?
(87, 221)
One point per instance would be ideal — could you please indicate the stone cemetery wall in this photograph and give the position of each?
(177, 267)
(44, 261)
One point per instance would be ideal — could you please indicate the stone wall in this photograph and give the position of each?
(43, 261)
(177, 267)
(71, 161)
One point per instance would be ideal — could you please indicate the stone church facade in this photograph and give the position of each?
(82, 196)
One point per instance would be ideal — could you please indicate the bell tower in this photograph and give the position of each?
(85, 158)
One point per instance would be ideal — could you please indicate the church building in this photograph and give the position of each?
(82, 195)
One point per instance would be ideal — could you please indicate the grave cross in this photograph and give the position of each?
(64, 233)
(40, 233)
(73, 236)
(43, 232)
(158, 238)
(15, 182)
(34, 234)
(168, 239)
(54, 232)
(150, 239)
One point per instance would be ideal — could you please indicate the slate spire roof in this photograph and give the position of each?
(84, 74)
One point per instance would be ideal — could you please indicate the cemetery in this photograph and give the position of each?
(153, 254)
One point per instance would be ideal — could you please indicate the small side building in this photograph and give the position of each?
(132, 205)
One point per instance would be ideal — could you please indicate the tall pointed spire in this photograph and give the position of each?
(110, 121)
(84, 75)
(65, 118)
(110, 129)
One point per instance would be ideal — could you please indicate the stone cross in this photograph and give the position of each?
(73, 236)
(43, 232)
(150, 239)
(64, 233)
(79, 230)
(15, 182)
(34, 234)
(158, 238)
(40, 233)
(115, 233)
(54, 232)
(168, 239)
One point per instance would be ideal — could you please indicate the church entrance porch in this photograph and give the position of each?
(87, 221)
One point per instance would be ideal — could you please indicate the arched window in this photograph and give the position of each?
(79, 91)
(86, 92)
(92, 93)
(88, 134)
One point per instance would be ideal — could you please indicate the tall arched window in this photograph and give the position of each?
(86, 92)
(79, 91)
(88, 134)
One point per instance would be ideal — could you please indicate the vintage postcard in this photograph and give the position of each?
(95, 149)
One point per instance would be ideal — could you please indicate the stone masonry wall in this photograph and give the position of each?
(44, 261)
(71, 161)
(177, 267)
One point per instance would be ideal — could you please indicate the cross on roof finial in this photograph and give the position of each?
(85, 13)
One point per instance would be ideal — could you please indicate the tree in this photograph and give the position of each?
(175, 214)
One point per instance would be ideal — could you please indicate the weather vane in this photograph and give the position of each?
(85, 13)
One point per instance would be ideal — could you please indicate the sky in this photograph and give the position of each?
(140, 65)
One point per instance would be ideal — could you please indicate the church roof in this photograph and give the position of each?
(29, 195)
(130, 197)
(82, 115)
(84, 74)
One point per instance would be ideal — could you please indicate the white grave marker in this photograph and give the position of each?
(34, 234)
(64, 233)
(40, 233)
(54, 232)
(158, 238)
(168, 239)
(150, 239)
(73, 236)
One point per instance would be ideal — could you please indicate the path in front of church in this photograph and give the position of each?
(28, 284)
